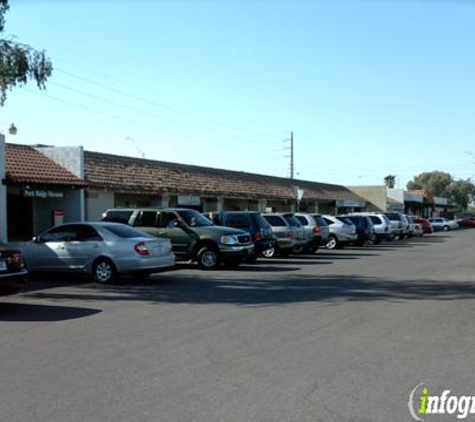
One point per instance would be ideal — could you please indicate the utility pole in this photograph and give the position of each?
(292, 155)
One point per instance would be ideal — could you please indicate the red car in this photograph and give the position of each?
(466, 222)
(426, 226)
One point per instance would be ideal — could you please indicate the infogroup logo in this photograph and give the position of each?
(422, 403)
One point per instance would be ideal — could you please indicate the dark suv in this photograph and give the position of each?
(364, 228)
(252, 222)
(193, 236)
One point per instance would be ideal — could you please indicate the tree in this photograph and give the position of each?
(462, 192)
(438, 183)
(435, 183)
(19, 62)
(390, 181)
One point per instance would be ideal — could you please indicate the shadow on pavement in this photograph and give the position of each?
(21, 312)
(255, 291)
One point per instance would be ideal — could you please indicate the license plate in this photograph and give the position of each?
(155, 248)
(3, 265)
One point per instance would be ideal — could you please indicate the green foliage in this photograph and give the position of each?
(438, 183)
(390, 181)
(462, 192)
(19, 62)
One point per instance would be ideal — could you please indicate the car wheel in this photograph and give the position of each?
(268, 253)
(208, 258)
(373, 240)
(332, 243)
(446, 228)
(297, 249)
(104, 271)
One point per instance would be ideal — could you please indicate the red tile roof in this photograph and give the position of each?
(128, 174)
(26, 165)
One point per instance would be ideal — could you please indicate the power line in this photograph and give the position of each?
(163, 106)
(155, 116)
(122, 119)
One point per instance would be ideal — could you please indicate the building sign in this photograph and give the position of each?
(188, 200)
(441, 201)
(35, 193)
(350, 203)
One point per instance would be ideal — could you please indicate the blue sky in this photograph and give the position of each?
(369, 88)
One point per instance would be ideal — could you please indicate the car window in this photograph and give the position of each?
(375, 219)
(320, 220)
(328, 221)
(344, 220)
(58, 234)
(302, 220)
(238, 220)
(292, 221)
(260, 220)
(117, 216)
(393, 216)
(275, 220)
(194, 219)
(124, 231)
(85, 233)
(168, 219)
(146, 219)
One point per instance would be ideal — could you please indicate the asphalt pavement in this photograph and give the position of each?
(337, 336)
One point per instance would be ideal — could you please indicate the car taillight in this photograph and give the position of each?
(316, 230)
(141, 249)
(13, 258)
(257, 236)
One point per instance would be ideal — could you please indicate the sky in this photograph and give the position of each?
(369, 88)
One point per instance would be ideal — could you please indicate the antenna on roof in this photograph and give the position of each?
(128, 138)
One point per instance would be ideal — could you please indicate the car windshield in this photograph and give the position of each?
(292, 221)
(194, 219)
(260, 220)
(344, 220)
(320, 220)
(393, 216)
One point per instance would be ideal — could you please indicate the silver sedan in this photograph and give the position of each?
(103, 250)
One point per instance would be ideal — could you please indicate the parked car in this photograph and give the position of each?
(443, 224)
(399, 227)
(466, 222)
(13, 272)
(103, 250)
(193, 236)
(364, 228)
(283, 232)
(417, 230)
(252, 222)
(324, 230)
(426, 226)
(342, 232)
(312, 230)
(381, 226)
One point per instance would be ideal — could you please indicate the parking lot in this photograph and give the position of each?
(336, 336)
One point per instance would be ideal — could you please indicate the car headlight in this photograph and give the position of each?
(228, 240)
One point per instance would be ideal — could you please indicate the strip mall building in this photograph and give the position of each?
(43, 186)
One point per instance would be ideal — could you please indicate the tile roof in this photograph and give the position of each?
(128, 174)
(24, 164)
